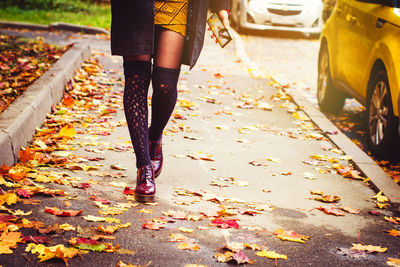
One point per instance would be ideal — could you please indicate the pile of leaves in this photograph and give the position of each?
(22, 61)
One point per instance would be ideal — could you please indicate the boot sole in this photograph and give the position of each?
(145, 198)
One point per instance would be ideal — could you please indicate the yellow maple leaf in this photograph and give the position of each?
(185, 230)
(271, 255)
(380, 197)
(67, 132)
(177, 237)
(226, 257)
(57, 251)
(67, 227)
(146, 211)
(368, 248)
(21, 213)
(393, 262)
(290, 236)
(187, 246)
(9, 198)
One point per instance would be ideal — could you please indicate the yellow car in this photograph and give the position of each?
(360, 57)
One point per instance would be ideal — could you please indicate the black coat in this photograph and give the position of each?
(132, 27)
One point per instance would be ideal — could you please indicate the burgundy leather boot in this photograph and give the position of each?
(156, 156)
(145, 190)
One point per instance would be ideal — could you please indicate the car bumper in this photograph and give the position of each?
(254, 26)
(263, 15)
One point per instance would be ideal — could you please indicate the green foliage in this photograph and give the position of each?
(93, 15)
(61, 5)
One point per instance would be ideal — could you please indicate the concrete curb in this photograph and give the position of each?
(363, 162)
(60, 26)
(19, 121)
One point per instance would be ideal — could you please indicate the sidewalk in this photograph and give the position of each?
(236, 149)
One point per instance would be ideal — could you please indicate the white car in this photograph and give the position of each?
(303, 16)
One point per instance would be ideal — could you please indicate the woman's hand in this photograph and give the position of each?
(224, 16)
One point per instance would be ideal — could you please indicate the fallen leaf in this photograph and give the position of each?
(391, 219)
(350, 210)
(226, 257)
(146, 211)
(393, 262)
(185, 230)
(380, 198)
(58, 212)
(47, 253)
(153, 225)
(177, 238)
(253, 246)
(368, 248)
(290, 235)
(234, 246)
(271, 255)
(187, 246)
(332, 210)
(393, 232)
(224, 224)
(87, 244)
(67, 131)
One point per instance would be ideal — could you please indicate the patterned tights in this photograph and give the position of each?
(137, 80)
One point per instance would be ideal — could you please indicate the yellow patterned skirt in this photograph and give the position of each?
(172, 15)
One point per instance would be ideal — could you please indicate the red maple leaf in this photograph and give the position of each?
(23, 192)
(66, 213)
(224, 224)
(129, 191)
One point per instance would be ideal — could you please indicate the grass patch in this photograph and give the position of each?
(91, 15)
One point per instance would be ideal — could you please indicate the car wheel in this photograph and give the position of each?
(330, 99)
(382, 132)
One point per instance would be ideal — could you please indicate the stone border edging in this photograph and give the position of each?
(364, 163)
(19, 121)
(61, 26)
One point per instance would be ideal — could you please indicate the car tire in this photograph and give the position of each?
(330, 99)
(382, 134)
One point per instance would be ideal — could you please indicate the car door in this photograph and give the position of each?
(358, 36)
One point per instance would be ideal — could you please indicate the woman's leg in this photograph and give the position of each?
(137, 70)
(166, 69)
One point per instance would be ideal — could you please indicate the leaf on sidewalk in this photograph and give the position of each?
(153, 225)
(391, 219)
(177, 238)
(67, 131)
(332, 210)
(393, 232)
(393, 262)
(350, 210)
(185, 230)
(368, 248)
(58, 212)
(224, 224)
(187, 246)
(323, 197)
(380, 198)
(87, 244)
(271, 255)
(47, 253)
(9, 240)
(290, 235)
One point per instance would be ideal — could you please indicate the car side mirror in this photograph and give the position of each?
(390, 3)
